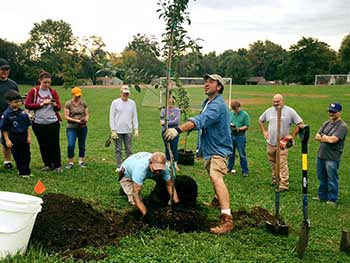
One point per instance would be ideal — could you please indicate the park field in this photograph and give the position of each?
(98, 184)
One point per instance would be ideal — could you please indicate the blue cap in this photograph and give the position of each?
(335, 107)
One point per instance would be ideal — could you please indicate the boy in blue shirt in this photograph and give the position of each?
(15, 124)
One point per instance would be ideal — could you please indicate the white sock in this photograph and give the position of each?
(226, 211)
(6, 162)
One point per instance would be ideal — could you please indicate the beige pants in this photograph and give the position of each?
(284, 173)
(127, 185)
(216, 166)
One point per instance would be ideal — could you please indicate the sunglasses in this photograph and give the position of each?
(333, 112)
(5, 68)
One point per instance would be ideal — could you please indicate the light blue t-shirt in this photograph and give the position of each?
(137, 168)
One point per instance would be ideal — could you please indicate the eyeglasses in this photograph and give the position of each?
(5, 68)
(332, 112)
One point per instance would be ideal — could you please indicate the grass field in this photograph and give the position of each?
(98, 184)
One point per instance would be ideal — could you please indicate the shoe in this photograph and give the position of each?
(8, 166)
(245, 175)
(26, 175)
(332, 203)
(82, 165)
(233, 172)
(69, 166)
(283, 190)
(46, 169)
(226, 225)
(59, 170)
(316, 198)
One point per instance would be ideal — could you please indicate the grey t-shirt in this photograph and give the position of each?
(46, 114)
(288, 117)
(332, 151)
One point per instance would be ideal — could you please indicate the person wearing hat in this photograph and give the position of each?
(331, 136)
(288, 117)
(6, 84)
(122, 121)
(216, 144)
(77, 115)
(139, 167)
(240, 122)
(14, 124)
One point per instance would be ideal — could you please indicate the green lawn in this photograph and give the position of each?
(98, 184)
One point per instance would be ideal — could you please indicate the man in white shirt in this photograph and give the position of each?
(122, 121)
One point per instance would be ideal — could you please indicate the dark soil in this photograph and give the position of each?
(67, 225)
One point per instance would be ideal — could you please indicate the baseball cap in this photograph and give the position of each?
(158, 161)
(76, 92)
(335, 107)
(216, 77)
(4, 63)
(125, 89)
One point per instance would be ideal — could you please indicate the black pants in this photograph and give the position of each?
(21, 152)
(48, 136)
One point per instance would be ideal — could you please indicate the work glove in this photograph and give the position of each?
(149, 219)
(136, 133)
(171, 133)
(286, 143)
(114, 135)
(108, 141)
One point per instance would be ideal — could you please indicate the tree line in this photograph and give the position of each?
(52, 46)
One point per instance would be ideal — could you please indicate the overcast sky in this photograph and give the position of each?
(222, 24)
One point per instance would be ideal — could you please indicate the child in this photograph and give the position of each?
(14, 124)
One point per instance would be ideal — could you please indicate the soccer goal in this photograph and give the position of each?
(196, 82)
(332, 79)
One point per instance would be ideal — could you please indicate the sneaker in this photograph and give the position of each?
(69, 166)
(46, 169)
(316, 198)
(233, 172)
(245, 175)
(26, 175)
(226, 225)
(332, 203)
(8, 166)
(82, 165)
(59, 170)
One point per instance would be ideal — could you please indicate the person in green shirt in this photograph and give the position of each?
(239, 123)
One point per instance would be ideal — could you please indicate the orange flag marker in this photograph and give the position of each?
(39, 188)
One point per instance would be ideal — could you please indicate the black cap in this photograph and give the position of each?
(4, 63)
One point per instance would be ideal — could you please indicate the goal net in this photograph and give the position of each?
(155, 97)
(335, 79)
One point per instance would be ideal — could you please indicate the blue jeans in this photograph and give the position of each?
(327, 174)
(72, 135)
(239, 143)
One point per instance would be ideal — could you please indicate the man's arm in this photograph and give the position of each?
(295, 132)
(169, 186)
(263, 130)
(326, 138)
(137, 198)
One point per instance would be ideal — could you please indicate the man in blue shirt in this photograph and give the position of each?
(216, 145)
(139, 167)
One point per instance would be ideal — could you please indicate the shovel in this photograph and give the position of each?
(277, 227)
(345, 242)
(304, 135)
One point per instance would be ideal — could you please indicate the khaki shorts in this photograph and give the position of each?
(127, 185)
(216, 166)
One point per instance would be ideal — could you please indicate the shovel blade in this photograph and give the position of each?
(303, 239)
(277, 229)
(345, 242)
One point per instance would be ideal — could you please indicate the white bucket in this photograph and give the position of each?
(17, 217)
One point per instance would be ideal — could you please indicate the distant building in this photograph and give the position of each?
(256, 81)
(107, 81)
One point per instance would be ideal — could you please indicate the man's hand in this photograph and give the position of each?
(9, 144)
(114, 135)
(136, 133)
(170, 134)
(149, 219)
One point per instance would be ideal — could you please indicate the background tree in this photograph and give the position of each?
(344, 55)
(12, 53)
(308, 58)
(235, 66)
